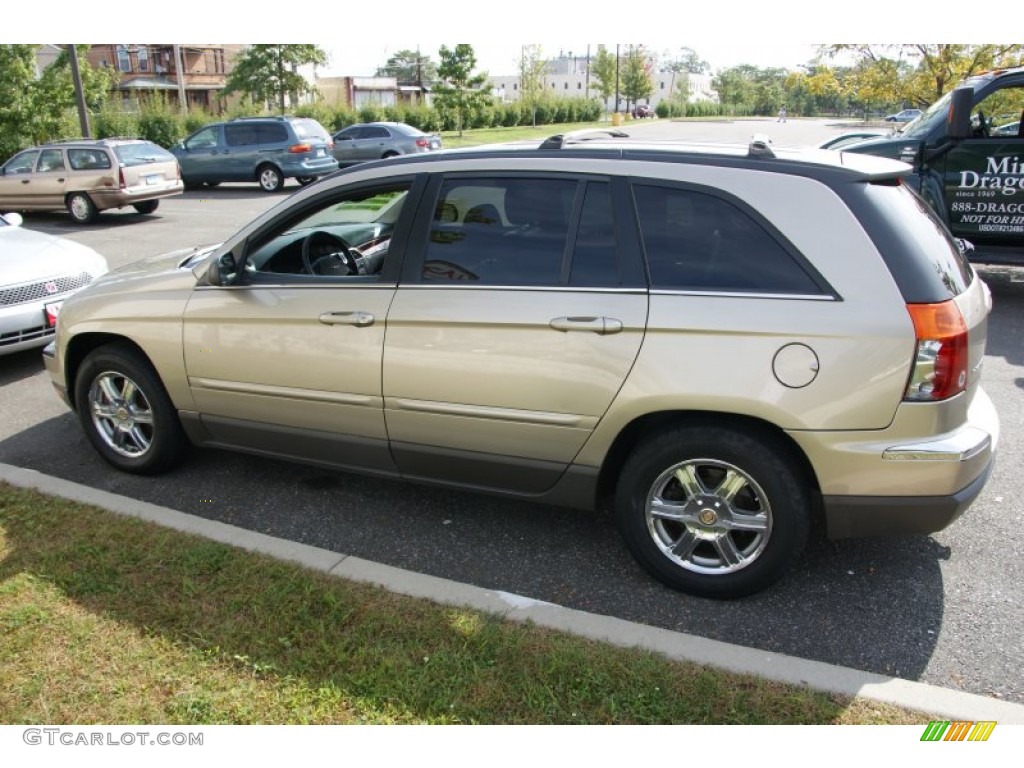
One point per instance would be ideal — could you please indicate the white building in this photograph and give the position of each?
(568, 76)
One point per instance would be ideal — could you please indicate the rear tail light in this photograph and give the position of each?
(298, 149)
(940, 359)
(120, 178)
(422, 143)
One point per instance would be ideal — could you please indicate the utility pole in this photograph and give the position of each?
(179, 67)
(76, 77)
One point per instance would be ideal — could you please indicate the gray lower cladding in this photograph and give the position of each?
(848, 517)
(541, 481)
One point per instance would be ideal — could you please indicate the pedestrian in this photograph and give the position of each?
(782, 113)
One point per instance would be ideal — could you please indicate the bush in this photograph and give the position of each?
(159, 124)
(115, 121)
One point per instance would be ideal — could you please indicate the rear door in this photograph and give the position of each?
(514, 327)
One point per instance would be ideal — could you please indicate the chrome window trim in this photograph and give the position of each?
(746, 295)
(461, 286)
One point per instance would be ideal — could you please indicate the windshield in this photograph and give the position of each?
(923, 124)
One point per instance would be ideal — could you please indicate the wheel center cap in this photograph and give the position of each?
(707, 517)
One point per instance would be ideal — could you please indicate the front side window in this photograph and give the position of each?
(696, 240)
(205, 138)
(347, 236)
(22, 163)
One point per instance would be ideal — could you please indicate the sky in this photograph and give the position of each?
(359, 37)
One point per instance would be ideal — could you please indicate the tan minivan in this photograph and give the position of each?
(86, 176)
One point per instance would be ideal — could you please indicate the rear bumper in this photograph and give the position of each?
(849, 517)
(917, 476)
(118, 198)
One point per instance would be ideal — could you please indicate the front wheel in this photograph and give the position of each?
(81, 208)
(270, 178)
(126, 412)
(147, 206)
(713, 511)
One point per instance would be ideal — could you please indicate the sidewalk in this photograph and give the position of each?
(829, 678)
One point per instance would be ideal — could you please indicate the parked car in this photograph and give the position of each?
(641, 111)
(843, 140)
(904, 116)
(727, 345)
(86, 176)
(266, 150)
(37, 273)
(373, 141)
(1007, 129)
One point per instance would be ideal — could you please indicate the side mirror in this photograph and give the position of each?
(224, 271)
(958, 121)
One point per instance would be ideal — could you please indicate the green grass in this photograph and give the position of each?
(105, 619)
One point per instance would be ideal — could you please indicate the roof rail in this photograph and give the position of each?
(588, 134)
(263, 117)
(760, 146)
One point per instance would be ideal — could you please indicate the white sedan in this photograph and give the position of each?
(37, 272)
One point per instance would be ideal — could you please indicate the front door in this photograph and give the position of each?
(288, 361)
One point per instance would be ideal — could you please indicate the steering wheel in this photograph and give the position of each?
(329, 264)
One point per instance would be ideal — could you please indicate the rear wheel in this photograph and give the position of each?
(389, 153)
(126, 412)
(81, 208)
(713, 511)
(305, 180)
(148, 206)
(270, 178)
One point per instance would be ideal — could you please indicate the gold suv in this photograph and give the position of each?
(725, 344)
(86, 176)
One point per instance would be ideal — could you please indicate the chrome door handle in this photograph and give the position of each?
(601, 325)
(358, 319)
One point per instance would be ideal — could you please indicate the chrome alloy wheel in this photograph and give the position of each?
(708, 516)
(121, 414)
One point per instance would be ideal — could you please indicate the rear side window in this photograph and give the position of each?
(88, 159)
(139, 154)
(241, 135)
(699, 241)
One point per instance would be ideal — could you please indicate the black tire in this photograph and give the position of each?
(212, 184)
(389, 153)
(741, 504)
(81, 208)
(305, 181)
(190, 184)
(147, 206)
(269, 178)
(126, 413)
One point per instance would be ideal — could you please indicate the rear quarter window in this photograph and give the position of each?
(915, 244)
(696, 240)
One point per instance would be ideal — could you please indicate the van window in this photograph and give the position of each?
(240, 135)
(271, 133)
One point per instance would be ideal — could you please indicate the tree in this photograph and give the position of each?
(409, 67)
(918, 74)
(459, 90)
(269, 73)
(603, 70)
(34, 110)
(532, 73)
(636, 77)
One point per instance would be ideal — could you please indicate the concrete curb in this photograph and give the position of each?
(943, 702)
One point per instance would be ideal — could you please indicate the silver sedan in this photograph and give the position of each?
(37, 272)
(373, 141)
